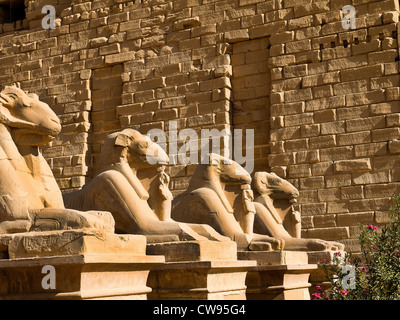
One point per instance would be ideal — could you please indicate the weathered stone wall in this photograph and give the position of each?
(334, 107)
(323, 101)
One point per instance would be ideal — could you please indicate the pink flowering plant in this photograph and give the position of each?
(347, 277)
(375, 274)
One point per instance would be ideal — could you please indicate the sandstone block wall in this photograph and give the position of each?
(323, 101)
(334, 99)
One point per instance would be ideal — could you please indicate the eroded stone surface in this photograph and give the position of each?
(131, 183)
(30, 198)
(64, 243)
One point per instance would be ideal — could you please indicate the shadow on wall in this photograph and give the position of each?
(12, 10)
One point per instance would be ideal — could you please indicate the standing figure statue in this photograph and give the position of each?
(164, 200)
(247, 221)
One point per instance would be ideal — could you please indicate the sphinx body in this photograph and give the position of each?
(275, 216)
(131, 184)
(232, 214)
(30, 199)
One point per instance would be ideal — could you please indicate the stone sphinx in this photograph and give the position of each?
(207, 201)
(276, 217)
(131, 183)
(30, 199)
(221, 194)
(37, 230)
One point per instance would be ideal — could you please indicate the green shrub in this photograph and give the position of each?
(375, 275)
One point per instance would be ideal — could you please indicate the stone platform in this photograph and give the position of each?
(86, 265)
(279, 275)
(198, 270)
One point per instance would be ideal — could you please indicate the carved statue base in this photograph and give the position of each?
(198, 270)
(279, 275)
(85, 265)
(198, 250)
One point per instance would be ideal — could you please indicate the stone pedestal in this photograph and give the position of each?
(198, 270)
(83, 265)
(279, 275)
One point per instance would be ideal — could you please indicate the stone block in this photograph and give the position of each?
(193, 250)
(119, 57)
(328, 141)
(280, 275)
(312, 183)
(339, 180)
(325, 221)
(299, 171)
(333, 127)
(356, 165)
(347, 63)
(299, 23)
(282, 61)
(205, 269)
(331, 233)
(385, 134)
(237, 35)
(267, 29)
(381, 190)
(371, 149)
(369, 123)
(281, 159)
(354, 138)
(394, 146)
(383, 56)
(311, 156)
(362, 73)
(282, 37)
(371, 177)
(298, 46)
(365, 205)
(313, 209)
(88, 265)
(370, 97)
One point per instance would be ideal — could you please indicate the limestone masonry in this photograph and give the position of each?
(323, 100)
